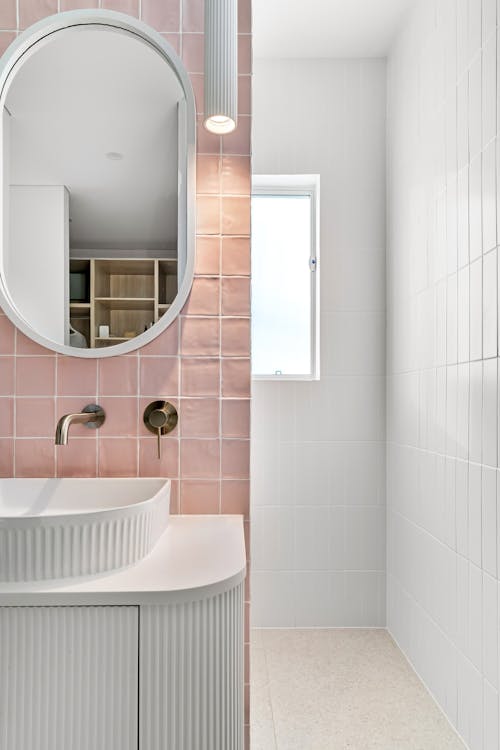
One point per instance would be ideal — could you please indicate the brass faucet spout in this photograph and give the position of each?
(91, 416)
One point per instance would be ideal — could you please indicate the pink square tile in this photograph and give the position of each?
(235, 175)
(174, 496)
(235, 337)
(8, 14)
(235, 215)
(6, 457)
(7, 369)
(200, 377)
(244, 16)
(236, 378)
(24, 345)
(117, 457)
(7, 336)
(236, 418)
(238, 142)
(200, 336)
(118, 376)
(73, 405)
(208, 174)
(208, 214)
(204, 298)
(236, 296)
(6, 38)
(163, 15)
(236, 256)
(35, 457)
(76, 377)
(200, 417)
(244, 95)
(159, 376)
(244, 53)
(236, 459)
(207, 255)
(193, 16)
(121, 416)
(200, 459)
(200, 496)
(166, 343)
(78, 458)
(175, 41)
(31, 11)
(77, 4)
(149, 463)
(198, 83)
(193, 52)
(6, 417)
(235, 496)
(35, 417)
(206, 142)
(35, 376)
(131, 7)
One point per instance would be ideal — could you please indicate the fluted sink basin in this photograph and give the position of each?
(60, 528)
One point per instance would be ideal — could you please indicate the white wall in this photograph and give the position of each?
(37, 274)
(442, 358)
(318, 451)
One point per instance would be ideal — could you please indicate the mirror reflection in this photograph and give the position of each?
(91, 125)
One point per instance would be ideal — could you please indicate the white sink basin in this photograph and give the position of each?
(60, 528)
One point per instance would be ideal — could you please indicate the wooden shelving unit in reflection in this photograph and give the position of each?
(125, 294)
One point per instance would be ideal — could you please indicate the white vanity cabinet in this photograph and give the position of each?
(146, 658)
(68, 678)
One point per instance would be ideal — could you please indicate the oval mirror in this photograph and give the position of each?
(97, 183)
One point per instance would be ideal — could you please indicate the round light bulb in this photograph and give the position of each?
(220, 124)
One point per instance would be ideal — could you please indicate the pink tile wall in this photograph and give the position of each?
(201, 363)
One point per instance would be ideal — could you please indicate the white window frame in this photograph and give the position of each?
(304, 185)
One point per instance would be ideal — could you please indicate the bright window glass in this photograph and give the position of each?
(283, 285)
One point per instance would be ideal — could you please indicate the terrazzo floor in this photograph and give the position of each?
(340, 690)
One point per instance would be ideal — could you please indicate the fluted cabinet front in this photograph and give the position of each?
(191, 674)
(68, 678)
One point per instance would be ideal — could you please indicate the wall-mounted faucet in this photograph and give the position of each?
(91, 416)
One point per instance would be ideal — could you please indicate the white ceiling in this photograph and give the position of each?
(87, 92)
(325, 28)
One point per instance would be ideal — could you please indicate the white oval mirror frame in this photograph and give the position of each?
(186, 232)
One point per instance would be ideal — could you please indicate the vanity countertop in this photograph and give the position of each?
(196, 556)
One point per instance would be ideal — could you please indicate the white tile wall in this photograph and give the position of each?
(318, 449)
(443, 537)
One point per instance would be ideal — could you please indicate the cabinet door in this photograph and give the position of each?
(68, 678)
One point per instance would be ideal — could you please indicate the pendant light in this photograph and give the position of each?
(221, 65)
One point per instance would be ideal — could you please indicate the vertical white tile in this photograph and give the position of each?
(490, 314)
(489, 198)
(491, 718)
(489, 19)
(463, 216)
(475, 650)
(273, 598)
(475, 208)
(452, 320)
(476, 309)
(475, 96)
(490, 411)
(463, 421)
(451, 409)
(474, 513)
(463, 314)
(489, 87)
(476, 411)
(462, 126)
(312, 532)
(489, 521)
(462, 507)
(490, 629)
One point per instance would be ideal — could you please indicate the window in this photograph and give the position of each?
(285, 277)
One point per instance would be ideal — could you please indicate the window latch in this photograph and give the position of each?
(313, 264)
